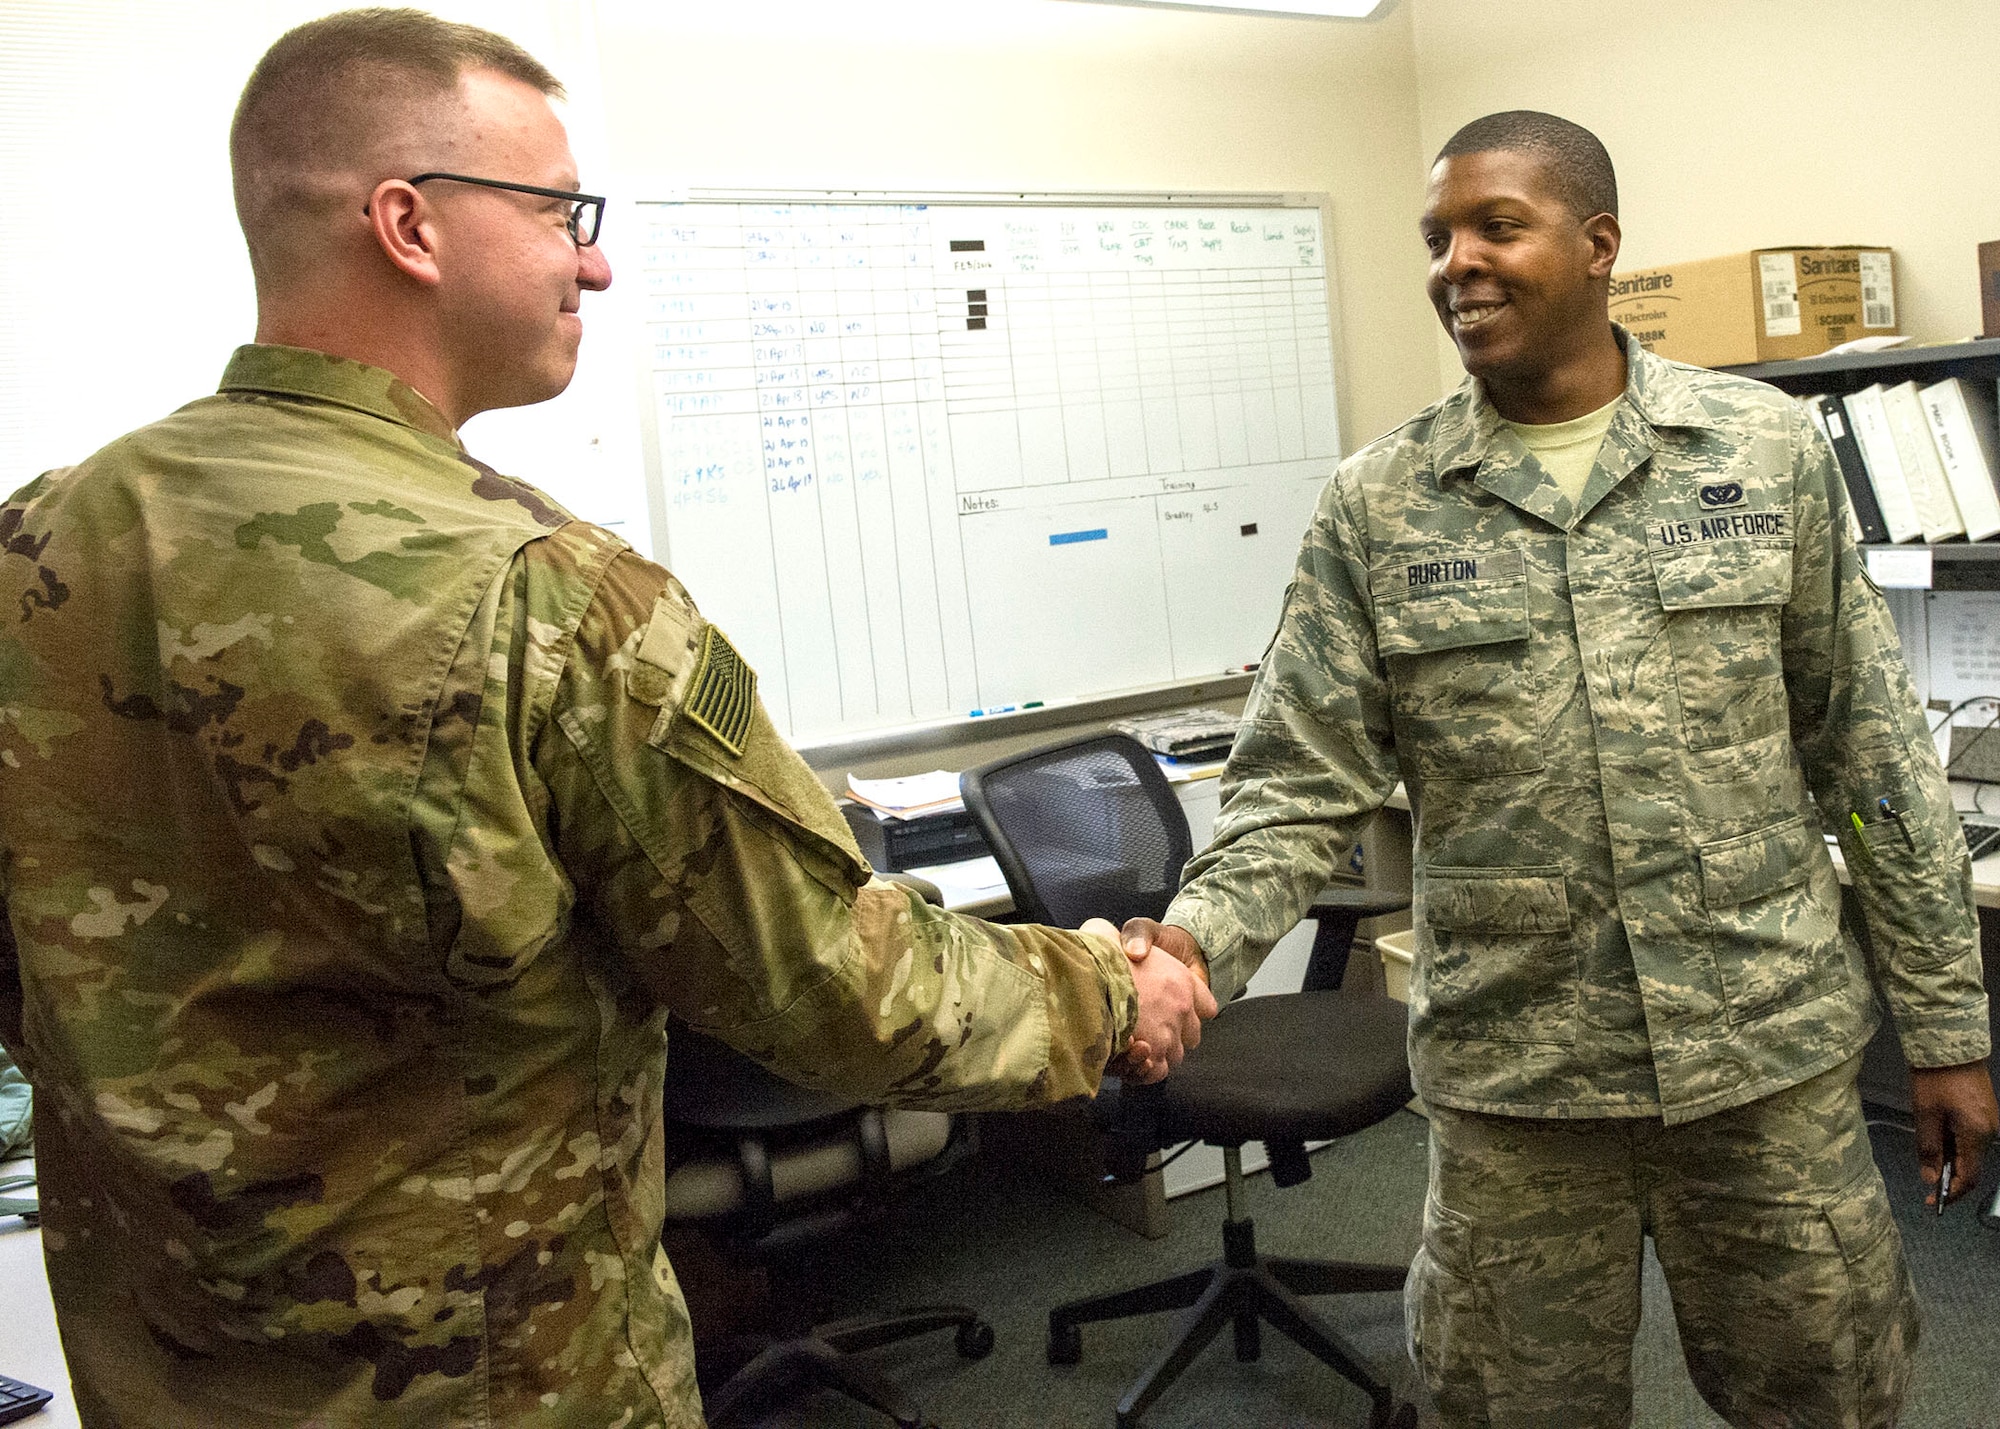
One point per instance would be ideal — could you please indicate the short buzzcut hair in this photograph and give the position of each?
(1575, 157)
(335, 93)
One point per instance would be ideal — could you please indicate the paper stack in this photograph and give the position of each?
(909, 797)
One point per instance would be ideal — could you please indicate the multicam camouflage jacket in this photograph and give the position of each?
(362, 816)
(1609, 714)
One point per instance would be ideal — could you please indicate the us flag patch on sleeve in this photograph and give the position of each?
(723, 693)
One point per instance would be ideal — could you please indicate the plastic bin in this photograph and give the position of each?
(1397, 950)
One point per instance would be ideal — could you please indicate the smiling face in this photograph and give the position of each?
(1519, 280)
(510, 278)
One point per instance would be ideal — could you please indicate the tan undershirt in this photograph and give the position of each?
(1568, 450)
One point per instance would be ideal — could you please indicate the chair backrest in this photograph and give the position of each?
(1089, 828)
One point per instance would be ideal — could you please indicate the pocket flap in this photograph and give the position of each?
(1448, 600)
(1860, 1216)
(1497, 900)
(1736, 870)
(1723, 574)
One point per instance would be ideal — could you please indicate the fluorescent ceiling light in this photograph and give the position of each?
(1324, 9)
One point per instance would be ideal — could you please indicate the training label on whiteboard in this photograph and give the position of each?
(920, 460)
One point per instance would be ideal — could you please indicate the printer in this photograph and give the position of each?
(897, 844)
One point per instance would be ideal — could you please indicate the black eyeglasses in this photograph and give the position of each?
(586, 211)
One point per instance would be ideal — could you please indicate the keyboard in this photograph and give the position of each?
(18, 1400)
(1982, 834)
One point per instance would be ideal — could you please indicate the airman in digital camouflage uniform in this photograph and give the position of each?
(1603, 614)
(363, 815)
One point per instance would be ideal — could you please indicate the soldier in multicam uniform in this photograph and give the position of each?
(364, 815)
(1604, 615)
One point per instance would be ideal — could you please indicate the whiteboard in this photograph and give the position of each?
(928, 460)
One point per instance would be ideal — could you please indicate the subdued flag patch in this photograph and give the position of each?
(723, 693)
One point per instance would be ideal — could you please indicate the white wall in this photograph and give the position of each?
(123, 276)
(1739, 125)
(1742, 125)
(125, 284)
(1732, 125)
(1047, 95)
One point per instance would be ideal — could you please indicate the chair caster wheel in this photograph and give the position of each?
(975, 1341)
(1393, 1416)
(1066, 1345)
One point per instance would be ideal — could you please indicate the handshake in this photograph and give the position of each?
(1171, 978)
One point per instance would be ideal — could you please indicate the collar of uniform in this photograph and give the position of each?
(1658, 389)
(1470, 436)
(1469, 426)
(322, 377)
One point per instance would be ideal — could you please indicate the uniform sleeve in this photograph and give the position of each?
(1862, 738)
(710, 856)
(11, 1010)
(1315, 757)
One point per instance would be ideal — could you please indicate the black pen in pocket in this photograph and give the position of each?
(1889, 812)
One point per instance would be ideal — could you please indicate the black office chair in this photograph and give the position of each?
(1091, 828)
(766, 1167)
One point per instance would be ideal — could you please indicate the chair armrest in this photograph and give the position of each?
(1337, 899)
(1339, 910)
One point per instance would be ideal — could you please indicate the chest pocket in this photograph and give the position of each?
(1452, 627)
(1724, 603)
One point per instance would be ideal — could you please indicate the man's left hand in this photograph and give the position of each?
(1961, 1098)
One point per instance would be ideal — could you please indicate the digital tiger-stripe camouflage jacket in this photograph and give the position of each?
(1609, 714)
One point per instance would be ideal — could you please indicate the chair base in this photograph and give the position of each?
(1246, 1291)
(825, 1358)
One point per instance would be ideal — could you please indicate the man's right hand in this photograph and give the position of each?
(1172, 1003)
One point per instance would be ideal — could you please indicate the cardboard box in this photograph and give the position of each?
(1762, 306)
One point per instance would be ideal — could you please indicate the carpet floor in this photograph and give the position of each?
(1011, 1245)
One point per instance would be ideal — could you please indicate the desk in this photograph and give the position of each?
(972, 885)
(30, 1350)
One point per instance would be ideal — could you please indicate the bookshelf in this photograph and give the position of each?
(1955, 565)
(1852, 371)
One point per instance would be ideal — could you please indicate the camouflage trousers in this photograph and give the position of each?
(1794, 1304)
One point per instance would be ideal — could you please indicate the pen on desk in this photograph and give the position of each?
(1889, 812)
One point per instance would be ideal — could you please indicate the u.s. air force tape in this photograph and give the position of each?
(723, 693)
